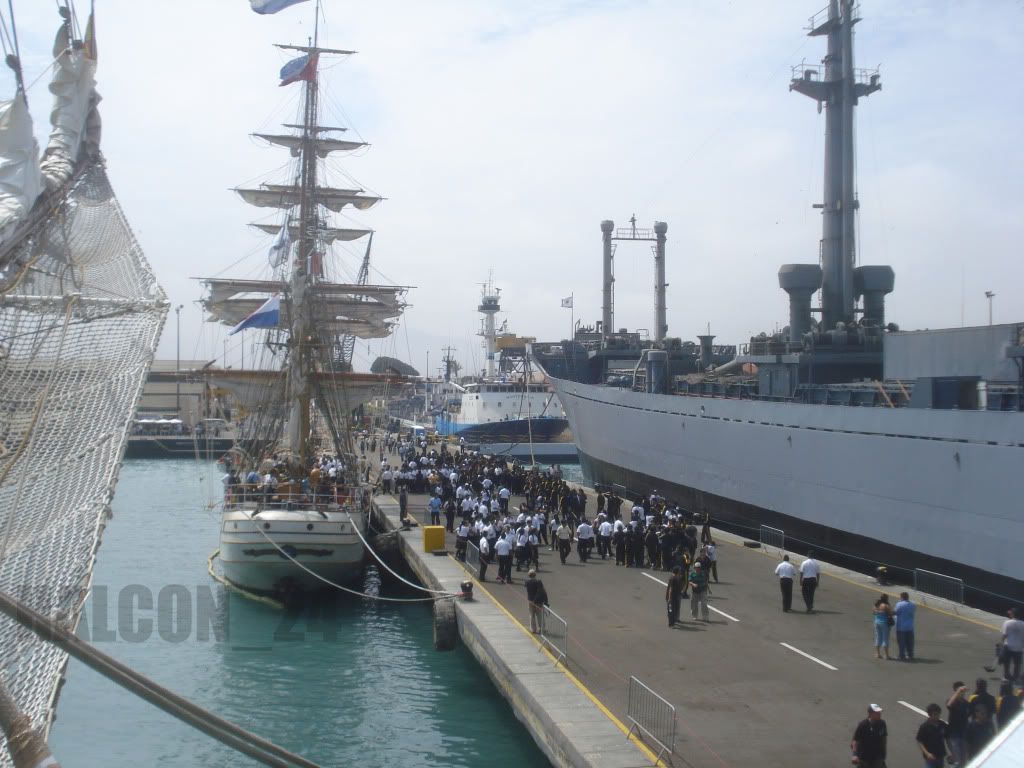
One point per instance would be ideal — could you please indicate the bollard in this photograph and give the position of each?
(467, 590)
(882, 575)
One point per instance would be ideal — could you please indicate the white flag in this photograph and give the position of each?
(567, 302)
(278, 253)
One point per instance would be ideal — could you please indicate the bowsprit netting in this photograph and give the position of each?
(80, 317)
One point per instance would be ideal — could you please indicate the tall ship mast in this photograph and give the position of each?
(873, 446)
(295, 511)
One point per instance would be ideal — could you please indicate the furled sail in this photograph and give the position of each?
(327, 234)
(322, 146)
(285, 196)
(20, 179)
(74, 97)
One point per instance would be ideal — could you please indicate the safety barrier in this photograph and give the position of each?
(939, 585)
(554, 634)
(473, 558)
(773, 537)
(653, 715)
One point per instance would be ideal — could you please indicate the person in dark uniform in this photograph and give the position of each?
(869, 740)
(674, 595)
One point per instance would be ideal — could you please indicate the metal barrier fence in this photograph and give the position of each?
(652, 714)
(773, 537)
(473, 558)
(554, 633)
(939, 585)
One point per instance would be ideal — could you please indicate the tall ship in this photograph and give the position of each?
(872, 445)
(509, 402)
(294, 508)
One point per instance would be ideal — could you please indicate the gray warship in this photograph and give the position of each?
(872, 445)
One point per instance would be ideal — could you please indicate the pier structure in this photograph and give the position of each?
(753, 686)
(568, 723)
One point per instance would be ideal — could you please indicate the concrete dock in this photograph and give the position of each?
(755, 686)
(566, 721)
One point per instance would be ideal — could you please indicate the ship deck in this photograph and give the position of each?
(755, 686)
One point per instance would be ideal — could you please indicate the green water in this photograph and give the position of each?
(355, 682)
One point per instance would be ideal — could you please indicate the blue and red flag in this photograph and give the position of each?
(302, 68)
(267, 316)
(272, 6)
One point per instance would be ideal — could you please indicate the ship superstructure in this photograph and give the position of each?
(871, 445)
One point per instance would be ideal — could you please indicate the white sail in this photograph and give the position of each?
(322, 146)
(327, 234)
(74, 97)
(20, 180)
(282, 196)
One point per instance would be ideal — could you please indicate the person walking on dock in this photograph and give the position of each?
(810, 572)
(537, 599)
(786, 572)
(712, 550)
(674, 595)
(485, 557)
(699, 592)
(503, 549)
(904, 611)
(869, 740)
(1013, 644)
(564, 536)
(932, 738)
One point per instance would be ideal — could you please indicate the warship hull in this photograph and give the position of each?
(906, 488)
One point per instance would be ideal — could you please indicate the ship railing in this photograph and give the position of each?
(817, 73)
(939, 585)
(244, 494)
(820, 18)
(554, 635)
(770, 347)
(772, 537)
(653, 715)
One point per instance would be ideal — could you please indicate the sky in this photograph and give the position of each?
(503, 131)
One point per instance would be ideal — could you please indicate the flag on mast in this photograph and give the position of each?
(302, 68)
(279, 248)
(272, 6)
(567, 303)
(267, 316)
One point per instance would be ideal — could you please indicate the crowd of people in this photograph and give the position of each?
(471, 495)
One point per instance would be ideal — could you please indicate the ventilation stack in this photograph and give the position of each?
(873, 283)
(607, 317)
(800, 281)
(660, 323)
(706, 356)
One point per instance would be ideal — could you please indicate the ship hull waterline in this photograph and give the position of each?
(905, 488)
(263, 553)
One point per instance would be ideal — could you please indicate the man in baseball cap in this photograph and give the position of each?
(869, 740)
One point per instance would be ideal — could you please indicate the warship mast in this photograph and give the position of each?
(838, 86)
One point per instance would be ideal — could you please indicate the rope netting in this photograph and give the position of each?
(80, 317)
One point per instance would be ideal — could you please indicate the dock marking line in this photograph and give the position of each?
(710, 607)
(912, 708)
(874, 588)
(808, 656)
(655, 760)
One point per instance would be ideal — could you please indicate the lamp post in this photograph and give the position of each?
(177, 362)
(989, 295)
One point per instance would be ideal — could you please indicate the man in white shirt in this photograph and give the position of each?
(503, 549)
(809, 573)
(564, 536)
(584, 540)
(604, 538)
(504, 494)
(485, 554)
(786, 573)
(1013, 644)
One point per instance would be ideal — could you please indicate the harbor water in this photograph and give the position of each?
(352, 681)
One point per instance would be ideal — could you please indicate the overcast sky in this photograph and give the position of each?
(504, 131)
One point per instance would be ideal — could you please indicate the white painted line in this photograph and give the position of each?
(720, 613)
(723, 613)
(808, 656)
(912, 708)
